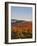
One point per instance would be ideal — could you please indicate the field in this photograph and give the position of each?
(21, 29)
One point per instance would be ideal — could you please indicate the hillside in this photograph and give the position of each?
(19, 26)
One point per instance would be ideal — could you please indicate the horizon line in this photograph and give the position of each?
(24, 19)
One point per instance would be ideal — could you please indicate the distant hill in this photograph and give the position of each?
(17, 21)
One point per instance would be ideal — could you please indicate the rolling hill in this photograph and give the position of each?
(20, 27)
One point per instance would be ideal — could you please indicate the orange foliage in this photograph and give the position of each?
(26, 26)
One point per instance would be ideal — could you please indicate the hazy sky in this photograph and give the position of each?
(21, 13)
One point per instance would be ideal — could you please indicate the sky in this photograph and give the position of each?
(21, 13)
